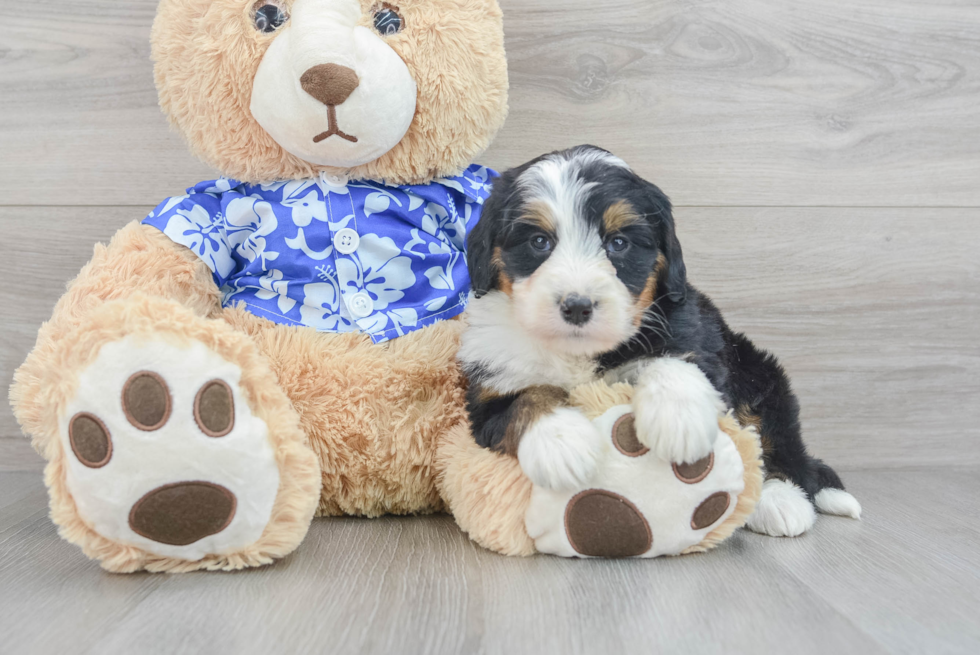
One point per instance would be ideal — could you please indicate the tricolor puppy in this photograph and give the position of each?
(578, 275)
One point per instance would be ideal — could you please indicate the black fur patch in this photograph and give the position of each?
(499, 421)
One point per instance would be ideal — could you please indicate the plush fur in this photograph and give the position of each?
(49, 378)
(374, 414)
(579, 275)
(355, 426)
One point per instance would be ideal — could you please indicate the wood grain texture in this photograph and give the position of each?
(903, 580)
(16, 453)
(770, 125)
(726, 102)
(872, 311)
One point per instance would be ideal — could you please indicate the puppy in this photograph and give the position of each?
(577, 276)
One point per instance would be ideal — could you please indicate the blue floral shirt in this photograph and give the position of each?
(334, 255)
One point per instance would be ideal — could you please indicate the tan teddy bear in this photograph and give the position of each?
(279, 342)
(228, 368)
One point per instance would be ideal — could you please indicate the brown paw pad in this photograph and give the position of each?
(710, 510)
(214, 409)
(180, 514)
(146, 401)
(695, 472)
(625, 439)
(603, 524)
(90, 440)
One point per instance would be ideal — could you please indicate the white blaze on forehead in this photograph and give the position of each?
(557, 183)
(577, 265)
(557, 180)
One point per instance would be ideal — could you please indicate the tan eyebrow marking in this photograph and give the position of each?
(619, 215)
(538, 213)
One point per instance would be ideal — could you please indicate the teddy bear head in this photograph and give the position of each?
(402, 91)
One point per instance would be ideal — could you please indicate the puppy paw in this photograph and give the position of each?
(561, 450)
(677, 411)
(837, 502)
(783, 510)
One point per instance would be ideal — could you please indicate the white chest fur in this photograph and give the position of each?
(497, 343)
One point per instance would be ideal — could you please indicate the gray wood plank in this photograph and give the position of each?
(44, 581)
(16, 485)
(902, 580)
(909, 573)
(16, 453)
(873, 312)
(745, 102)
(421, 588)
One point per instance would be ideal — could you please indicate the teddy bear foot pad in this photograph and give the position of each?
(637, 505)
(163, 452)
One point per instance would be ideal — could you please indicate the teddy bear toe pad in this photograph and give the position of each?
(164, 453)
(638, 505)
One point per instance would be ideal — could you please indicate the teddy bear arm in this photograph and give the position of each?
(141, 259)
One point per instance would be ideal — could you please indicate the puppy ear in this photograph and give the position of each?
(676, 277)
(675, 274)
(480, 242)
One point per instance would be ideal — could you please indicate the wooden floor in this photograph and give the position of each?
(904, 580)
(824, 156)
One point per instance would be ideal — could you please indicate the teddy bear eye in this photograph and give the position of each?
(269, 16)
(387, 21)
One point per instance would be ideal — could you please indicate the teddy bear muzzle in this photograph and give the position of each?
(356, 97)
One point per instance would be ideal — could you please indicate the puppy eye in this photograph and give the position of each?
(387, 21)
(269, 16)
(617, 245)
(541, 243)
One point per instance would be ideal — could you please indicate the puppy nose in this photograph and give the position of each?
(576, 309)
(331, 84)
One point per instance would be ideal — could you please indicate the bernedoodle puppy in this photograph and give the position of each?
(577, 276)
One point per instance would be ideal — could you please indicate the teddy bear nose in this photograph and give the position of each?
(331, 84)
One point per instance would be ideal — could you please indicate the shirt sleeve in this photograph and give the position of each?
(196, 221)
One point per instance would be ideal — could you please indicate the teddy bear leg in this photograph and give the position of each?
(639, 504)
(170, 445)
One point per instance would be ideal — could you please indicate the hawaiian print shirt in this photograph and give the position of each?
(334, 255)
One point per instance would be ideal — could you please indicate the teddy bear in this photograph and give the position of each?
(280, 343)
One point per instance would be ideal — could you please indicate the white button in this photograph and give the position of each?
(346, 241)
(360, 305)
(335, 180)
